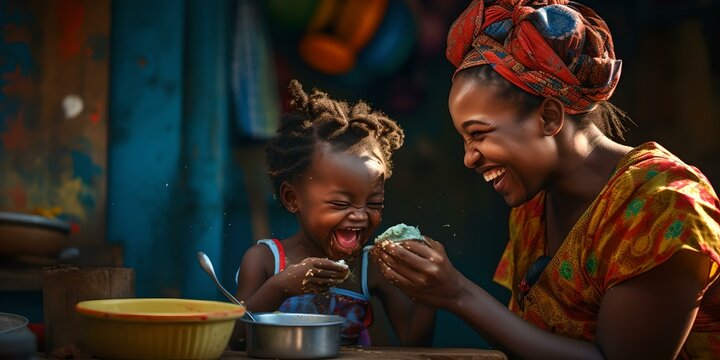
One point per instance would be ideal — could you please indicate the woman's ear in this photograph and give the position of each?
(552, 112)
(288, 197)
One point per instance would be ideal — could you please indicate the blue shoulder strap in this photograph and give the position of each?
(276, 252)
(363, 278)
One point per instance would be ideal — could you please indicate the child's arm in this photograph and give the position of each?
(254, 287)
(414, 323)
(261, 291)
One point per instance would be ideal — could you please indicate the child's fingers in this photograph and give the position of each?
(328, 264)
(329, 274)
(319, 285)
(324, 282)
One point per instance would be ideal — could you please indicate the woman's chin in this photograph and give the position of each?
(514, 200)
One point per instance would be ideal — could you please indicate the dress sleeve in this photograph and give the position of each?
(659, 208)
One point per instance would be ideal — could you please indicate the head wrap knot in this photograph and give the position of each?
(520, 13)
(549, 48)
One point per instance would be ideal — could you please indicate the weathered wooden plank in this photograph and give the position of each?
(53, 128)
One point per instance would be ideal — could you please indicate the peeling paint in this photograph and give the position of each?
(84, 168)
(15, 136)
(70, 16)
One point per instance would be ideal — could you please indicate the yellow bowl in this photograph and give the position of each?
(157, 328)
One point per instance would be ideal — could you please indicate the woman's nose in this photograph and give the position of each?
(472, 156)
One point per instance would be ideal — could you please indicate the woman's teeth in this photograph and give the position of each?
(491, 174)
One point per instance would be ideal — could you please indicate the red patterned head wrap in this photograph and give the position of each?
(550, 48)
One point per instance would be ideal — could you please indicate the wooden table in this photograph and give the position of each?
(400, 353)
(390, 353)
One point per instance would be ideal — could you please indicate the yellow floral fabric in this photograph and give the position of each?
(653, 206)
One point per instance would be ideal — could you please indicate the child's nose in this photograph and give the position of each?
(358, 214)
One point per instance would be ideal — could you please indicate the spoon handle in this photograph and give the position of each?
(206, 265)
(234, 300)
(227, 294)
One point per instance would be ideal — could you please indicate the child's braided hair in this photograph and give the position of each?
(316, 118)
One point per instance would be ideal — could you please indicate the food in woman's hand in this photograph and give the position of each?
(399, 233)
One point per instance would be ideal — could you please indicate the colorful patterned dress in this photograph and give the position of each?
(653, 206)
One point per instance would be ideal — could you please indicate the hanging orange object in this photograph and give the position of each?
(338, 31)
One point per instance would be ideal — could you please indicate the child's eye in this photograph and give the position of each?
(375, 205)
(340, 204)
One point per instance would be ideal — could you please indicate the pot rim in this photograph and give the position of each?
(15, 218)
(23, 322)
(331, 319)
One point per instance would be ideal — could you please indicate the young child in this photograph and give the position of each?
(329, 162)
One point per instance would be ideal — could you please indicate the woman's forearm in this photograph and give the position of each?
(420, 328)
(510, 333)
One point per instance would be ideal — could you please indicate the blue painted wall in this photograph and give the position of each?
(146, 93)
(170, 144)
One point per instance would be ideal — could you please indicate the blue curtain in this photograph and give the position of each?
(177, 184)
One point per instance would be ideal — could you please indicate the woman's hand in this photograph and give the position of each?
(312, 275)
(422, 270)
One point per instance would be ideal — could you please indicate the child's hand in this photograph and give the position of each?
(312, 275)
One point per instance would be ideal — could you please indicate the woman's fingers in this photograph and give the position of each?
(434, 244)
(393, 276)
(407, 255)
(428, 249)
(405, 274)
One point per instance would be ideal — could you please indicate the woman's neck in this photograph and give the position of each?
(588, 158)
(588, 161)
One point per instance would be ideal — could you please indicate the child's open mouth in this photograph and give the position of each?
(347, 240)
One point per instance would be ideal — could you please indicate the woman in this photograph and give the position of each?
(613, 250)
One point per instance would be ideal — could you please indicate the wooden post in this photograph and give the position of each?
(65, 286)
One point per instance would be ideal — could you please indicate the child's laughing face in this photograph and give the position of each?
(339, 200)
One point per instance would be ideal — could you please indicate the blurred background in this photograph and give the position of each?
(142, 124)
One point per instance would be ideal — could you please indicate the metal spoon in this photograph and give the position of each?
(206, 264)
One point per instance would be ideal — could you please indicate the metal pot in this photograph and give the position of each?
(293, 336)
(32, 235)
(17, 342)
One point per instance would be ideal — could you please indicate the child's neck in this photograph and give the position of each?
(301, 246)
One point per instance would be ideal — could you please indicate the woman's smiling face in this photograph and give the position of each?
(509, 149)
(340, 200)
